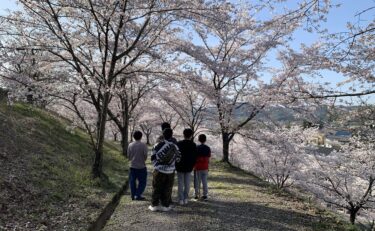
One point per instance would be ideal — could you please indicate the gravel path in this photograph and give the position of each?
(237, 201)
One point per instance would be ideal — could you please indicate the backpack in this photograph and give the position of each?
(167, 153)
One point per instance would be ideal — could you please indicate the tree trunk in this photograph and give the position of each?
(125, 127)
(98, 163)
(353, 215)
(226, 141)
(132, 131)
(29, 99)
(148, 138)
(101, 124)
(125, 138)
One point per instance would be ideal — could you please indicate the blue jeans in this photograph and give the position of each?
(200, 177)
(141, 176)
(183, 185)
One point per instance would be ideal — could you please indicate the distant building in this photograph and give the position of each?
(341, 136)
(331, 138)
(318, 139)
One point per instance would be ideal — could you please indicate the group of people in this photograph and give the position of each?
(169, 156)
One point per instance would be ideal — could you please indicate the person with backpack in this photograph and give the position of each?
(165, 125)
(184, 168)
(137, 154)
(201, 168)
(164, 156)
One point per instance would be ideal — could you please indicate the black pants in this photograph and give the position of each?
(162, 185)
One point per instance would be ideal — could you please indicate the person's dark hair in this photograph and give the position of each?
(137, 135)
(202, 138)
(188, 133)
(165, 125)
(167, 133)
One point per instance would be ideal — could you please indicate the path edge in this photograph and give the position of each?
(108, 210)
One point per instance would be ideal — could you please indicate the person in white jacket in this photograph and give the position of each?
(164, 156)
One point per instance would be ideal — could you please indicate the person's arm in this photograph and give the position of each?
(157, 153)
(195, 153)
(153, 152)
(195, 150)
(178, 154)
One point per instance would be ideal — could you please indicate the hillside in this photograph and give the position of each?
(45, 184)
(45, 181)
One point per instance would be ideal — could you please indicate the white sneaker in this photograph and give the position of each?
(165, 209)
(186, 201)
(153, 208)
(181, 202)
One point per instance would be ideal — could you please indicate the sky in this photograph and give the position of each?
(336, 22)
(7, 4)
(338, 17)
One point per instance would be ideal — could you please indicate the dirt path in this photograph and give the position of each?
(237, 201)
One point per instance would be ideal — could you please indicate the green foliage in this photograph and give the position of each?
(334, 225)
(234, 182)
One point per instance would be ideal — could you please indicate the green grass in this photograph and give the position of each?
(229, 181)
(68, 156)
(55, 162)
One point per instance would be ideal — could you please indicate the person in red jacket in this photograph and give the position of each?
(201, 168)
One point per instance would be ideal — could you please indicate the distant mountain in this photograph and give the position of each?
(282, 114)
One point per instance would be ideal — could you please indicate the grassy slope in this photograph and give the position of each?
(45, 169)
(320, 219)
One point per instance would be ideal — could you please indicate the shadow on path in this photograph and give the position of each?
(221, 212)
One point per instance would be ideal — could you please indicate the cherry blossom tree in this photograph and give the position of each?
(348, 53)
(28, 73)
(129, 92)
(148, 122)
(188, 102)
(76, 106)
(165, 113)
(277, 153)
(345, 178)
(232, 54)
(146, 127)
(97, 42)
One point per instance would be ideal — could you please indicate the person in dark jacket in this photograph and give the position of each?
(165, 125)
(184, 168)
(201, 167)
